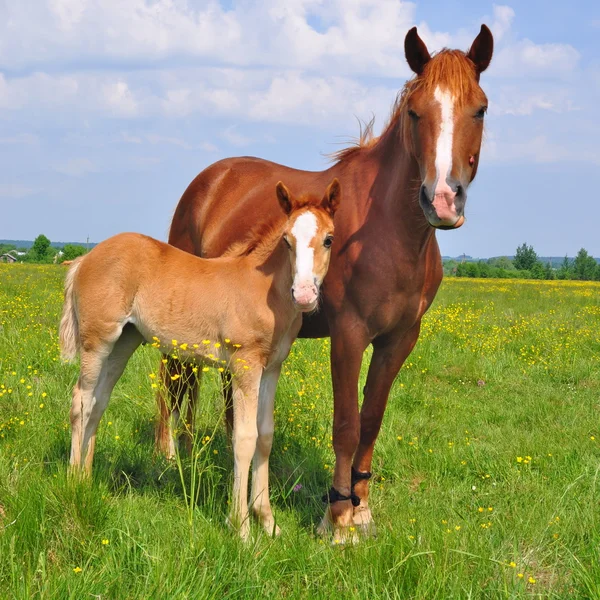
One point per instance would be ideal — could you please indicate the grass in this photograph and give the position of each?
(486, 472)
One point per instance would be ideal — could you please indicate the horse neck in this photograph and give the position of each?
(396, 187)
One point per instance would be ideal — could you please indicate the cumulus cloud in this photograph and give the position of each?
(305, 62)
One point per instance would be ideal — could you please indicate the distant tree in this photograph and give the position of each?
(584, 266)
(72, 251)
(461, 270)
(7, 248)
(597, 273)
(525, 258)
(40, 248)
(472, 269)
(502, 262)
(564, 271)
(484, 269)
(549, 271)
(538, 271)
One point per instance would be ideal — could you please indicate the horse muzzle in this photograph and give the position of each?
(446, 209)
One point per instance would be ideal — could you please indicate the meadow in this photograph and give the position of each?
(485, 473)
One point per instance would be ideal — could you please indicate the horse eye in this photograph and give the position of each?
(481, 112)
(413, 115)
(287, 242)
(328, 241)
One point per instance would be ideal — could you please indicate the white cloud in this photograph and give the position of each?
(17, 190)
(76, 167)
(119, 98)
(235, 138)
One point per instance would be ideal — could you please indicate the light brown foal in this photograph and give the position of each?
(249, 304)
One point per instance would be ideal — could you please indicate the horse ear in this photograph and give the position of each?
(415, 51)
(482, 49)
(284, 197)
(333, 194)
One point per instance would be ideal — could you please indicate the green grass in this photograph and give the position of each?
(489, 455)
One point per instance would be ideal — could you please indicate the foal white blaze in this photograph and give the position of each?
(443, 200)
(304, 288)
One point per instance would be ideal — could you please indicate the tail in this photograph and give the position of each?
(69, 323)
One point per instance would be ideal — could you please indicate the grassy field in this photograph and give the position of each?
(485, 474)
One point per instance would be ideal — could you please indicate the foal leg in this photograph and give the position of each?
(261, 503)
(348, 342)
(388, 356)
(111, 371)
(92, 364)
(245, 433)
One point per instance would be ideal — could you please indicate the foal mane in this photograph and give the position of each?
(449, 69)
(263, 237)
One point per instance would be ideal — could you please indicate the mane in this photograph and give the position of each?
(263, 237)
(450, 69)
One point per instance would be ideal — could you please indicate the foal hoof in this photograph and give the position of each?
(242, 530)
(271, 529)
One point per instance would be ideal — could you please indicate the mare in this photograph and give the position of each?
(386, 266)
(243, 310)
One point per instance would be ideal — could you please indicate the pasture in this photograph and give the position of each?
(485, 473)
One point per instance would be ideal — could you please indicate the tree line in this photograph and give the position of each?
(526, 265)
(42, 252)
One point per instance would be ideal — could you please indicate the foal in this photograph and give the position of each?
(132, 288)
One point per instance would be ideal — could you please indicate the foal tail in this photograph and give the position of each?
(69, 323)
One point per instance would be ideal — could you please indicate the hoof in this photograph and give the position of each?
(345, 536)
(271, 529)
(341, 535)
(242, 530)
(364, 523)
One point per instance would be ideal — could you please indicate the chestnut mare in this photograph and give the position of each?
(386, 265)
(236, 310)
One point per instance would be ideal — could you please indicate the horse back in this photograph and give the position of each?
(226, 200)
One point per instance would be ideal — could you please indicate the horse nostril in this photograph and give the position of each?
(292, 292)
(423, 196)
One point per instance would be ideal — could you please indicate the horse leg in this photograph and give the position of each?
(191, 386)
(175, 378)
(110, 372)
(92, 364)
(389, 354)
(261, 503)
(228, 398)
(348, 343)
(245, 434)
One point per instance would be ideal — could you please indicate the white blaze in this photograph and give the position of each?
(304, 230)
(443, 154)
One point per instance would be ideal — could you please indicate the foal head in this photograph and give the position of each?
(442, 112)
(308, 234)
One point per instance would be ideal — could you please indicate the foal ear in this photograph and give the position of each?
(415, 51)
(482, 49)
(284, 197)
(332, 197)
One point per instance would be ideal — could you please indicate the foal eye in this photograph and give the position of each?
(413, 115)
(328, 241)
(481, 112)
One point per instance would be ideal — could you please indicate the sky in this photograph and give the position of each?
(109, 108)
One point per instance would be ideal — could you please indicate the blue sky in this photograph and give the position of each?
(109, 108)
